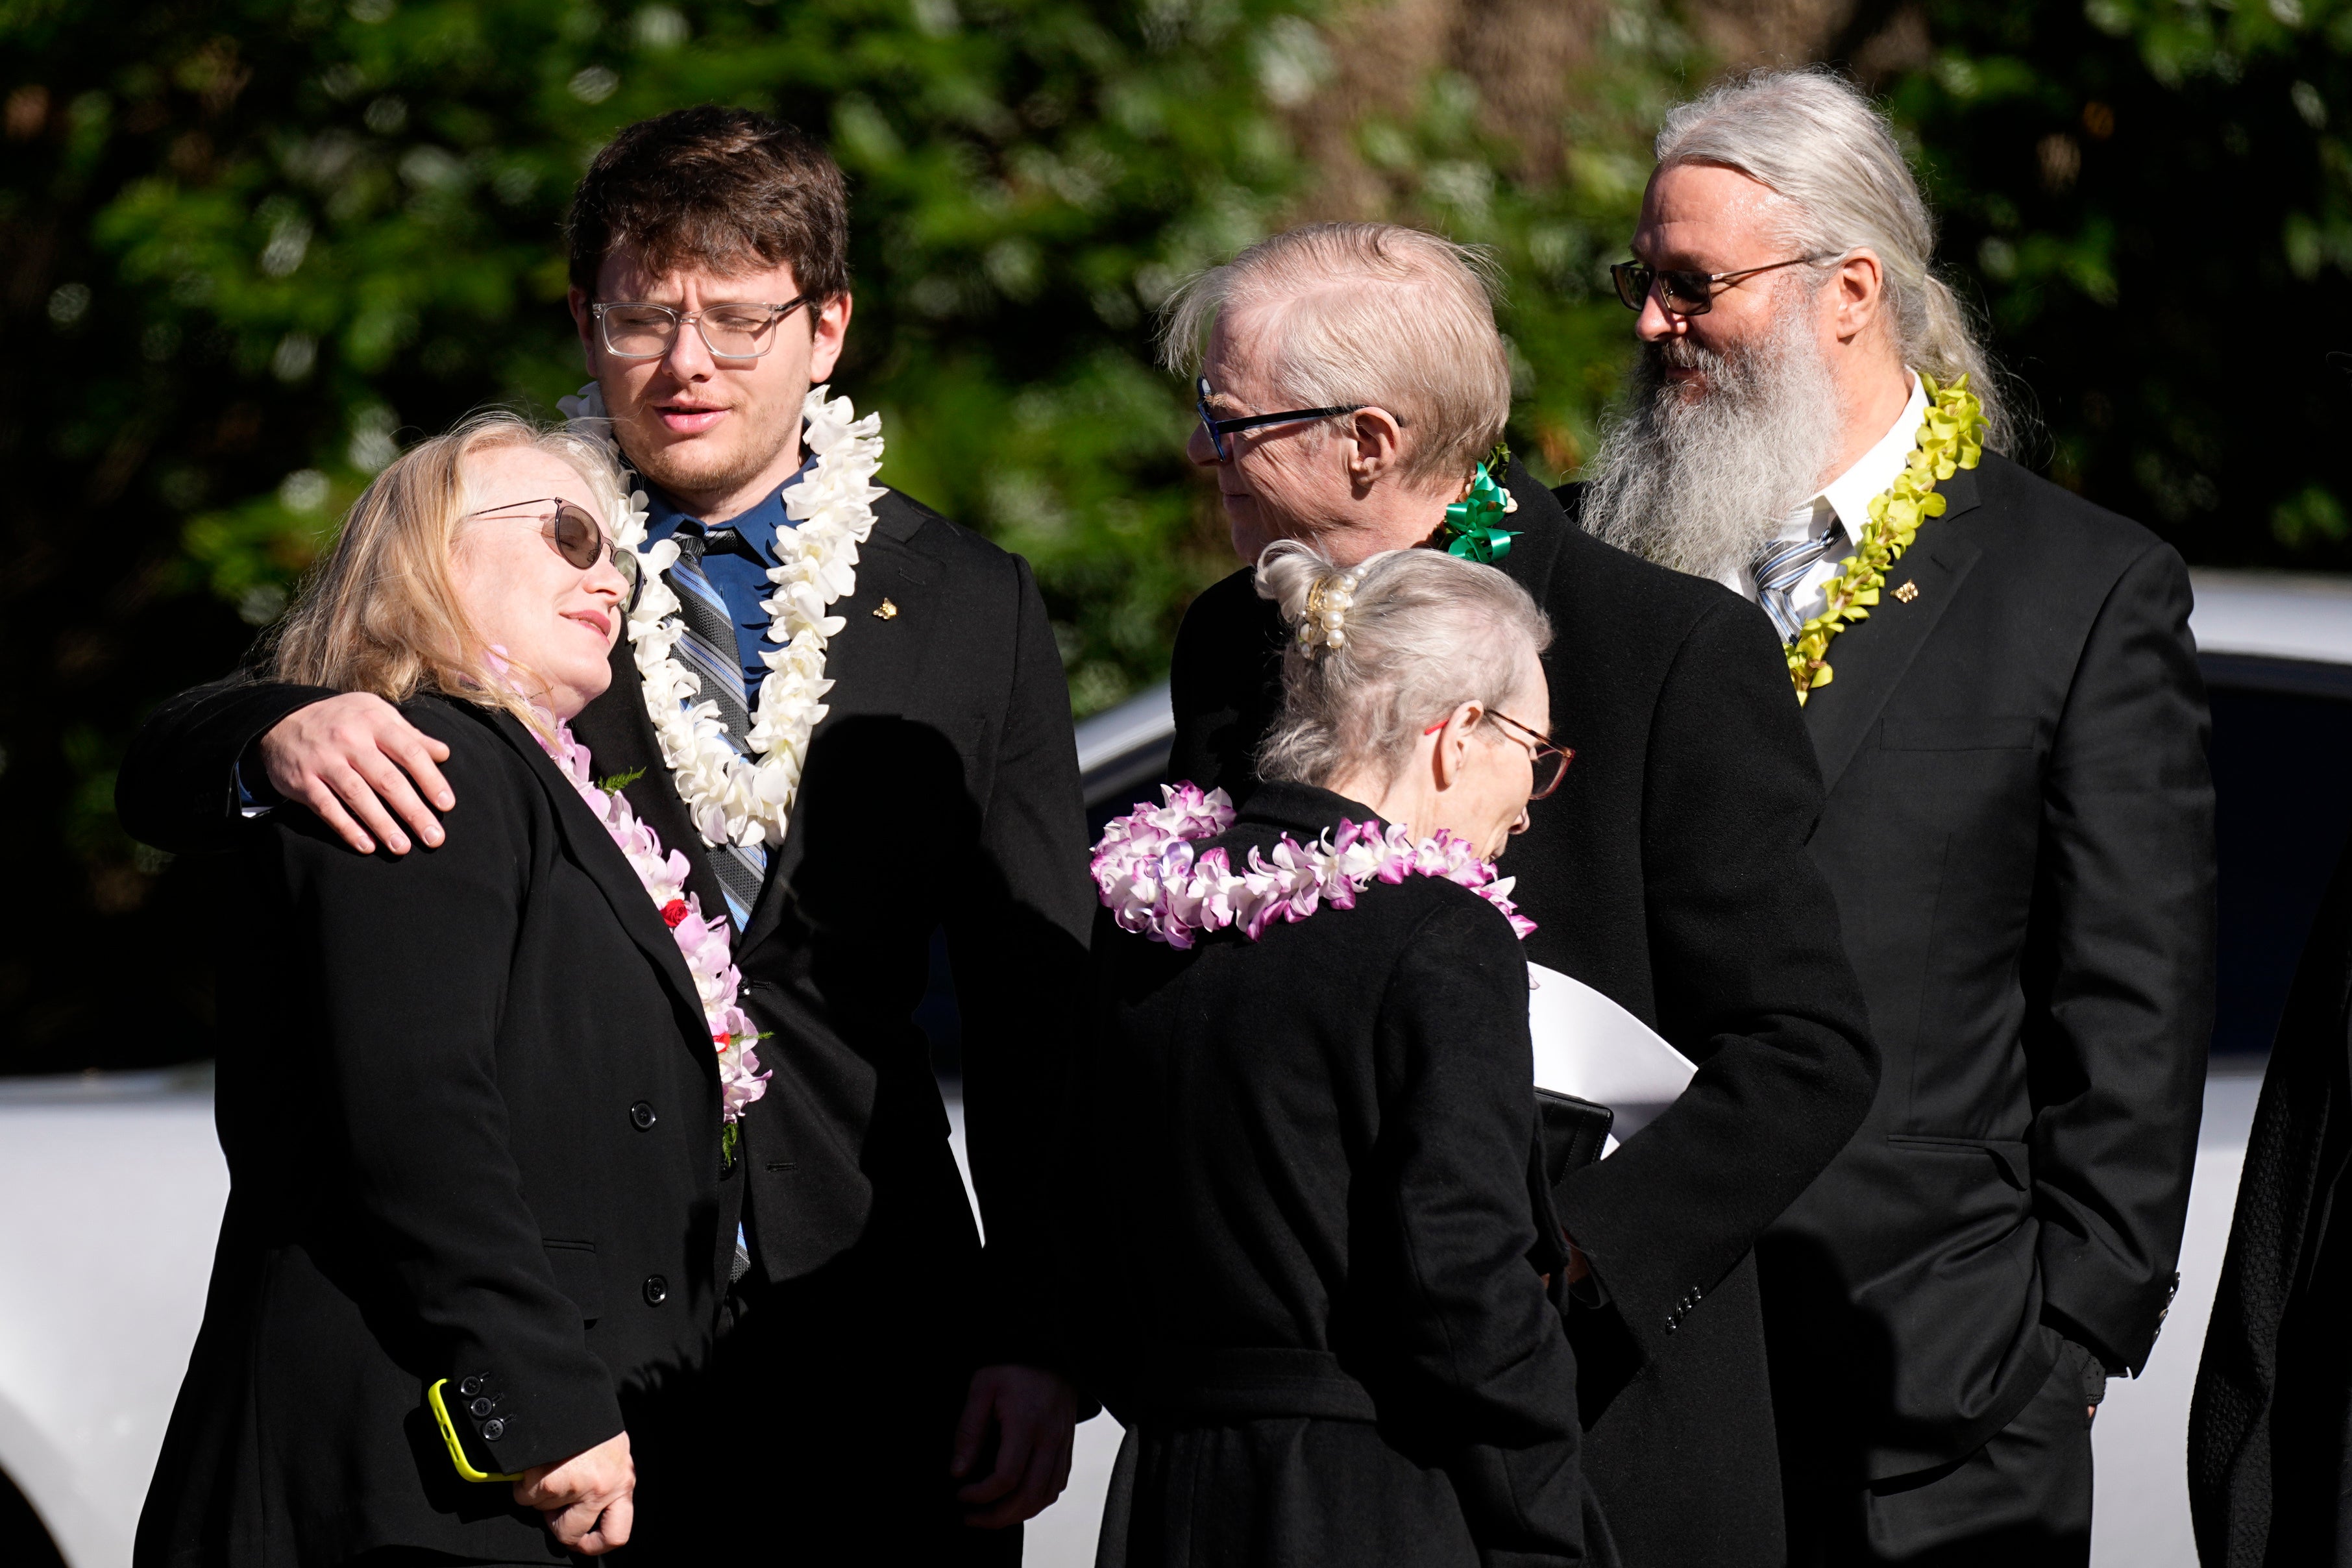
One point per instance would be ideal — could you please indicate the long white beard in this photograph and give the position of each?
(1698, 485)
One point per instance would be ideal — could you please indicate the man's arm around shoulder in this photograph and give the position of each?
(208, 756)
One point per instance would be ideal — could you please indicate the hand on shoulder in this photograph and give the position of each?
(357, 763)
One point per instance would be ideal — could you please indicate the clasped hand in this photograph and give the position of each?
(588, 1500)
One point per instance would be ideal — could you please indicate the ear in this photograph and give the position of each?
(578, 300)
(1858, 294)
(1453, 743)
(829, 328)
(1375, 446)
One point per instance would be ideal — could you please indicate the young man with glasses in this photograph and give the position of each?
(885, 1391)
(1353, 382)
(2017, 837)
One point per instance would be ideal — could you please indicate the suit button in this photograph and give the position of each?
(657, 1290)
(481, 1407)
(642, 1114)
(493, 1430)
(470, 1387)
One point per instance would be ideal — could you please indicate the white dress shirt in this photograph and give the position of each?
(1841, 510)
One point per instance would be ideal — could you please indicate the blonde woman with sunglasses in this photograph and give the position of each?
(480, 1213)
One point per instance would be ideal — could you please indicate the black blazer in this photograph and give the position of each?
(1668, 872)
(1307, 1168)
(2267, 1430)
(472, 1120)
(941, 789)
(2019, 834)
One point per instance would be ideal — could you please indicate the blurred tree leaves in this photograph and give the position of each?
(246, 246)
(2155, 200)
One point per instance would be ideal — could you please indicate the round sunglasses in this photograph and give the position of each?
(570, 532)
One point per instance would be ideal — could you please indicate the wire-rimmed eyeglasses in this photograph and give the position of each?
(1551, 762)
(1219, 429)
(745, 330)
(1683, 293)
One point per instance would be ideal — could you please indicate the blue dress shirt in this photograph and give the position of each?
(740, 580)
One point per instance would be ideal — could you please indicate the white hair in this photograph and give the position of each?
(1367, 314)
(1813, 138)
(1698, 484)
(1425, 632)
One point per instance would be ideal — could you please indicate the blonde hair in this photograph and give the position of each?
(382, 613)
(1424, 632)
(1812, 137)
(1368, 314)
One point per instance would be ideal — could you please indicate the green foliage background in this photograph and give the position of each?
(247, 246)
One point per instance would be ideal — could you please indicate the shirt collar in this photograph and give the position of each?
(1850, 494)
(758, 525)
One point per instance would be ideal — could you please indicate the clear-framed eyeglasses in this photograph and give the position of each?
(744, 329)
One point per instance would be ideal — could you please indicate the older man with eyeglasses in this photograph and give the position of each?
(2001, 689)
(1352, 389)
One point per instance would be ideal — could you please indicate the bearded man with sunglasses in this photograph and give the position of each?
(1352, 387)
(850, 716)
(2018, 834)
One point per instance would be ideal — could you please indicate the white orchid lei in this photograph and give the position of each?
(703, 943)
(731, 798)
(1149, 879)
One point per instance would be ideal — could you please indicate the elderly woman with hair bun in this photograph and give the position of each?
(470, 1096)
(1324, 1262)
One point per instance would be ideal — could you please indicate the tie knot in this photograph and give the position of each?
(694, 543)
(1779, 563)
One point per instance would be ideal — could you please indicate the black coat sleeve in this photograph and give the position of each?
(2119, 966)
(1490, 1377)
(1752, 979)
(177, 789)
(411, 956)
(1017, 940)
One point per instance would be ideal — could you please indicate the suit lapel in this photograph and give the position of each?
(874, 663)
(601, 859)
(619, 734)
(1869, 657)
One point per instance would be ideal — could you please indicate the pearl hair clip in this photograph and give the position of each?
(1325, 621)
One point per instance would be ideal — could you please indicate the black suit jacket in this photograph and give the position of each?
(941, 789)
(472, 1120)
(1668, 872)
(2019, 834)
(2268, 1434)
(1307, 1163)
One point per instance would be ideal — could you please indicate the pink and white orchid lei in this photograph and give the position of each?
(1153, 884)
(703, 943)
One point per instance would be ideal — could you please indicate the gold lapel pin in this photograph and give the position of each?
(1908, 592)
(886, 611)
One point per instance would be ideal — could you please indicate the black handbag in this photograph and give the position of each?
(1574, 1133)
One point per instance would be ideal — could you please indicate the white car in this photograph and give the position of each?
(112, 1185)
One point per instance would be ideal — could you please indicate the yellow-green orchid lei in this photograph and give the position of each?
(1471, 529)
(1951, 438)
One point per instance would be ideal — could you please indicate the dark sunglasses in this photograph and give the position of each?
(572, 533)
(1551, 762)
(1683, 293)
(1219, 429)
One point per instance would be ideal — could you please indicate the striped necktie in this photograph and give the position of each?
(1780, 566)
(712, 654)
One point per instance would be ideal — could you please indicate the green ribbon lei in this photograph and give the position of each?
(1473, 528)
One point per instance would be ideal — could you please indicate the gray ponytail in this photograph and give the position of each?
(1422, 632)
